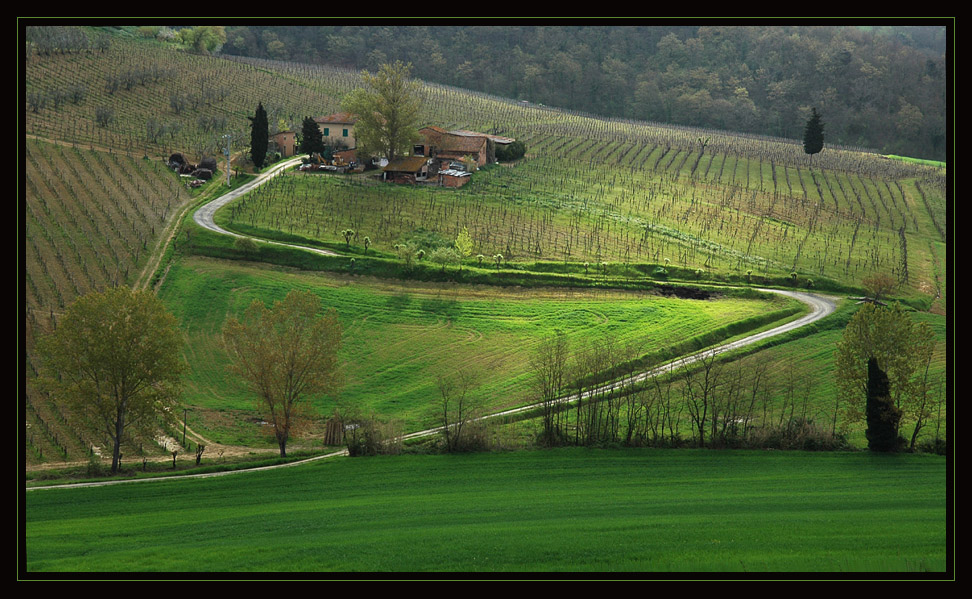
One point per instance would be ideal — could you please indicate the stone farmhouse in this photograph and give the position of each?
(337, 129)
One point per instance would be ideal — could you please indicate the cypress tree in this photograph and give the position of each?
(259, 136)
(881, 413)
(311, 138)
(813, 135)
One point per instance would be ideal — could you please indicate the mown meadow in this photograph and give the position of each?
(571, 510)
(399, 336)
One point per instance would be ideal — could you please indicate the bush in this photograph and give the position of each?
(246, 245)
(937, 446)
(509, 152)
(370, 437)
(796, 434)
(96, 468)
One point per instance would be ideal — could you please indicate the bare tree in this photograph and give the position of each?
(456, 408)
(548, 365)
(700, 388)
(285, 354)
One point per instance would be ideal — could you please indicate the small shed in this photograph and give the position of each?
(410, 169)
(453, 177)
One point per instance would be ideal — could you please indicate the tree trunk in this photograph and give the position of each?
(116, 449)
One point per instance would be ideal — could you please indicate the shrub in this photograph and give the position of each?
(509, 152)
(370, 437)
(796, 434)
(937, 446)
(245, 245)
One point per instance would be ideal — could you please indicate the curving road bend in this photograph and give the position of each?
(204, 216)
(820, 307)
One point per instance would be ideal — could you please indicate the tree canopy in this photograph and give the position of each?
(286, 354)
(880, 87)
(311, 138)
(813, 134)
(115, 361)
(899, 347)
(387, 112)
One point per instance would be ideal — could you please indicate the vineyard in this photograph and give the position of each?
(98, 121)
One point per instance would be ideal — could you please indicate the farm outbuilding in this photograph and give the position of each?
(285, 142)
(448, 146)
(453, 178)
(410, 169)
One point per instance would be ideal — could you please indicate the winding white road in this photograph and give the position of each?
(204, 216)
(820, 307)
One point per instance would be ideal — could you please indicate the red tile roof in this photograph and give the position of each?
(338, 117)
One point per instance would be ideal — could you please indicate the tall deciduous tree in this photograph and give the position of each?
(387, 111)
(311, 138)
(259, 136)
(286, 354)
(115, 361)
(813, 135)
(901, 349)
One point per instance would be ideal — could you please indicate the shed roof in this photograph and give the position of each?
(408, 164)
(495, 138)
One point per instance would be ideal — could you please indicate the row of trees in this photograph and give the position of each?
(883, 369)
(744, 403)
(115, 361)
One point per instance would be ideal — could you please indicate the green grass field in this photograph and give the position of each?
(399, 335)
(572, 510)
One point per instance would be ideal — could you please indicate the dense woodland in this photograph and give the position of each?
(881, 88)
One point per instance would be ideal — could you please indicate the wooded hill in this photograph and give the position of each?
(882, 88)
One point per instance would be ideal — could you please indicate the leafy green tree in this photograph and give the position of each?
(813, 135)
(259, 136)
(115, 361)
(387, 111)
(464, 243)
(285, 353)
(511, 151)
(445, 257)
(203, 38)
(311, 138)
(900, 347)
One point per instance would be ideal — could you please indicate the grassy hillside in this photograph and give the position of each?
(400, 335)
(644, 511)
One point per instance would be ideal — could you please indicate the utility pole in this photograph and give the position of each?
(226, 152)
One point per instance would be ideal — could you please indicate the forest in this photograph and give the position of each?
(879, 88)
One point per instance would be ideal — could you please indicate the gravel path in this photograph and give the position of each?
(204, 216)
